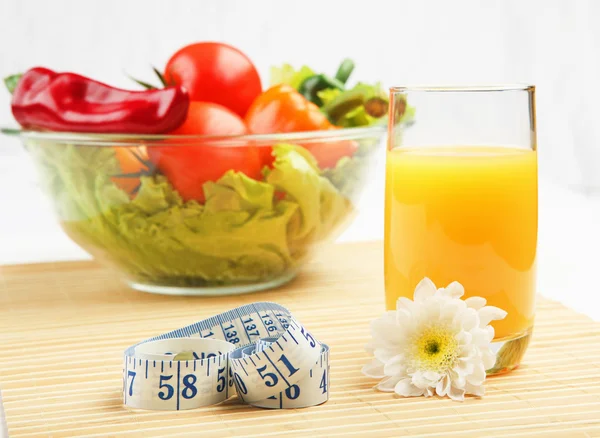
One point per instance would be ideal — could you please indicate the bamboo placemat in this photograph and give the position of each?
(64, 326)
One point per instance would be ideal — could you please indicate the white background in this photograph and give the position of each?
(553, 44)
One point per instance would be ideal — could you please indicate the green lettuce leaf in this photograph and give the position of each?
(347, 176)
(286, 74)
(328, 94)
(295, 172)
(243, 232)
(12, 81)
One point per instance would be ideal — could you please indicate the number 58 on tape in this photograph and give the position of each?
(258, 351)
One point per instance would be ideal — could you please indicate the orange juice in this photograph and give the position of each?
(466, 214)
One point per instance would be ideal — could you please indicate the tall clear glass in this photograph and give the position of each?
(461, 201)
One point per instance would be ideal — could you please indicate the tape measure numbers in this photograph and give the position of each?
(258, 351)
(309, 391)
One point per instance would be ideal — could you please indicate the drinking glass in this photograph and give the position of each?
(461, 201)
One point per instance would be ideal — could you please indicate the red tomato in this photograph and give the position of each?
(215, 72)
(188, 167)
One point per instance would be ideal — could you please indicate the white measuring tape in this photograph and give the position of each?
(258, 350)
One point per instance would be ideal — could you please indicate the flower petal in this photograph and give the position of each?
(479, 391)
(449, 309)
(388, 385)
(459, 381)
(383, 324)
(454, 290)
(395, 366)
(456, 394)
(480, 337)
(475, 302)
(402, 315)
(490, 313)
(489, 359)
(464, 338)
(477, 377)
(443, 386)
(374, 369)
(384, 354)
(406, 304)
(432, 376)
(406, 389)
(385, 331)
(467, 319)
(424, 379)
(429, 311)
(464, 366)
(425, 289)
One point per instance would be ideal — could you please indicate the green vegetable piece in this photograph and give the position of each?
(11, 82)
(146, 85)
(286, 74)
(362, 105)
(344, 70)
(160, 76)
(312, 85)
(10, 131)
(236, 191)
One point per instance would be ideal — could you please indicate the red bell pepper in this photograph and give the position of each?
(44, 99)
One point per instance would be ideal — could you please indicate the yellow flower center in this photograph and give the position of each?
(435, 349)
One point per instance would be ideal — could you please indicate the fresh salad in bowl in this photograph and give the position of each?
(205, 182)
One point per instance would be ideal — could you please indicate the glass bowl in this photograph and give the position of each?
(141, 204)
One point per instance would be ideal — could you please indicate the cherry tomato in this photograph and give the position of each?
(189, 167)
(282, 109)
(215, 72)
(132, 164)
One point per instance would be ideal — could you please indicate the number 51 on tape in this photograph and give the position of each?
(258, 351)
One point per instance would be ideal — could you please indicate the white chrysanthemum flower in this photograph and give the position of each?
(436, 344)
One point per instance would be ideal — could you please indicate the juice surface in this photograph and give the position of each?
(466, 214)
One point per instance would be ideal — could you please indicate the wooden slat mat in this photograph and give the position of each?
(63, 328)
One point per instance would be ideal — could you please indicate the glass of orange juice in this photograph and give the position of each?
(461, 201)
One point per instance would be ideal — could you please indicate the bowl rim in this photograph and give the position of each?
(162, 140)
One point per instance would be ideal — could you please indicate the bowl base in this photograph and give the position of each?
(213, 291)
